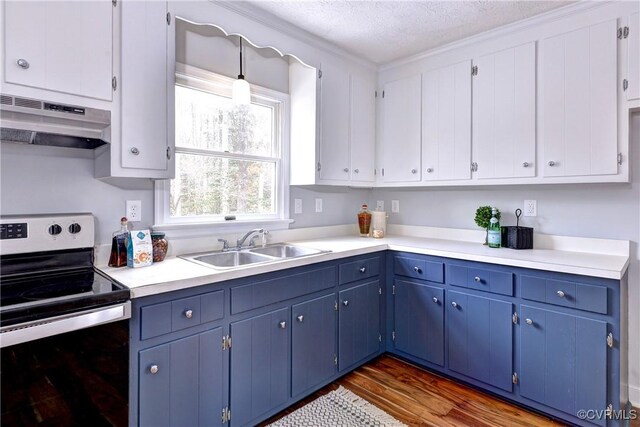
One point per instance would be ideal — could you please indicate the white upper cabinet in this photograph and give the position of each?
(446, 123)
(633, 57)
(400, 141)
(504, 113)
(579, 102)
(334, 123)
(59, 46)
(363, 127)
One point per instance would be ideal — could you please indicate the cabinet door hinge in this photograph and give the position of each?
(625, 84)
(335, 306)
(114, 83)
(168, 18)
(393, 336)
(114, 3)
(610, 340)
(168, 153)
(335, 359)
(226, 342)
(379, 337)
(382, 171)
(474, 167)
(226, 415)
(619, 158)
(608, 413)
(474, 70)
(625, 32)
(514, 378)
(620, 33)
(383, 94)
(514, 318)
(319, 74)
(319, 166)
(393, 290)
(380, 291)
(376, 93)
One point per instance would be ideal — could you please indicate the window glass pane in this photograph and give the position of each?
(208, 185)
(214, 122)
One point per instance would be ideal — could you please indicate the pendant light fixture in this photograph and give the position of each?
(240, 91)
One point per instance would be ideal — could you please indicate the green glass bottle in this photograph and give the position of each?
(494, 230)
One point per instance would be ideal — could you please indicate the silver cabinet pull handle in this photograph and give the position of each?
(345, 303)
(525, 165)
(414, 171)
(188, 314)
(134, 151)
(154, 369)
(560, 294)
(282, 325)
(346, 169)
(22, 63)
(528, 321)
(454, 304)
(356, 170)
(300, 318)
(429, 170)
(435, 300)
(363, 269)
(477, 279)
(552, 163)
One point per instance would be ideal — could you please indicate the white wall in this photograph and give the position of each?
(339, 205)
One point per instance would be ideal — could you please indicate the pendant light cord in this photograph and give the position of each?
(241, 76)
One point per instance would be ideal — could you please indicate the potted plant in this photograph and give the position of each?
(483, 216)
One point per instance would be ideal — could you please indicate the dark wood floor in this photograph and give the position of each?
(420, 398)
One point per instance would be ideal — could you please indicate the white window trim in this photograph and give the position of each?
(195, 226)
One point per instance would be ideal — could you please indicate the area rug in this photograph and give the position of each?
(340, 407)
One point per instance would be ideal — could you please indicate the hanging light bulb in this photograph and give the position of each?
(240, 91)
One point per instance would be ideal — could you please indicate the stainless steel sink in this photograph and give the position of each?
(285, 251)
(232, 259)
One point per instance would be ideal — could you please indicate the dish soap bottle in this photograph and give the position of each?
(494, 230)
(364, 221)
(118, 256)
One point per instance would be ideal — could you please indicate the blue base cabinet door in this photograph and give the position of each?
(563, 361)
(181, 382)
(480, 338)
(313, 345)
(259, 365)
(358, 324)
(419, 321)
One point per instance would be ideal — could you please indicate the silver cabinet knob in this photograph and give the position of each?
(417, 269)
(477, 279)
(282, 325)
(414, 171)
(528, 321)
(363, 269)
(346, 169)
(454, 304)
(435, 300)
(345, 303)
(300, 318)
(154, 369)
(560, 294)
(134, 151)
(22, 63)
(429, 170)
(356, 170)
(525, 164)
(552, 163)
(188, 314)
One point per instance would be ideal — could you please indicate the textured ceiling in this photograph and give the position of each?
(382, 31)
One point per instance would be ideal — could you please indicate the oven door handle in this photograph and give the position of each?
(16, 334)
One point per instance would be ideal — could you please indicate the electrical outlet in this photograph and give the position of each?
(134, 210)
(530, 208)
(380, 205)
(395, 206)
(318, 205)
(297, 206)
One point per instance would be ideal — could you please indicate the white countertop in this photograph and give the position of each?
(176, 273)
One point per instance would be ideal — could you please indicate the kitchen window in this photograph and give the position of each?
(231, 160)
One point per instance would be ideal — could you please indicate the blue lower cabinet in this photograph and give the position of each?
(480, 338)
(563, 360)
(419, 321)
(259, 380)
(181, 382)
(358, 324)
(313, 345)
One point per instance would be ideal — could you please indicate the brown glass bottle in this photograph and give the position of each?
(364, 221)
(118, 256)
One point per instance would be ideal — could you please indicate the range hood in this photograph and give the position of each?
(32, 121)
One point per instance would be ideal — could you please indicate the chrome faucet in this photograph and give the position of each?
(241, 240)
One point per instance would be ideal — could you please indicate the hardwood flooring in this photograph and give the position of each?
(420, 398)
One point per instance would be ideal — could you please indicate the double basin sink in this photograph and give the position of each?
(258, 255)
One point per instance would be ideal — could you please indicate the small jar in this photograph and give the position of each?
(160, 246)
(377, 232)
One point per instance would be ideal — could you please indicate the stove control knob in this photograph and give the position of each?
(74, 228)
(55, 229)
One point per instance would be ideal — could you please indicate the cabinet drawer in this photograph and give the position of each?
(565, 293)
(497, 282)
(163, 318)
(357, 270)
(433, 271)
(260, 294)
